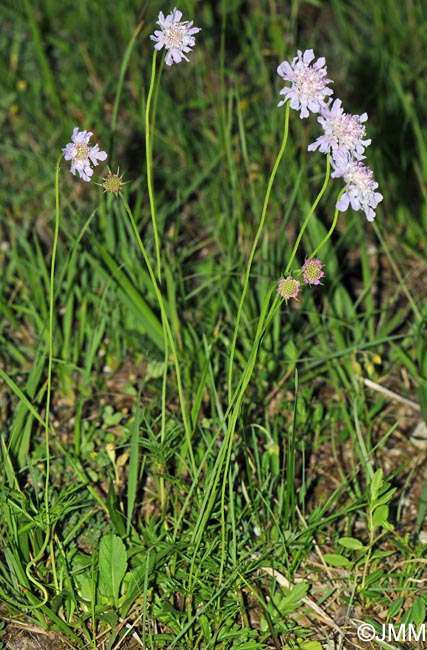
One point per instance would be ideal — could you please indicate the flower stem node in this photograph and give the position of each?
(288, 288)
(312, 271)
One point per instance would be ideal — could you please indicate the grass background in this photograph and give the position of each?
(323, 502)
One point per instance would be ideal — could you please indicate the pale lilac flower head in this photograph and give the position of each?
(288, 288)
(175, 36)
(342, 133)
(82, 156)
(360, 186)
(312, 271)
(309, 86)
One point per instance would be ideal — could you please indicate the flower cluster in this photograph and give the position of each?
(344, 135)
(175, 36)
(312, 272)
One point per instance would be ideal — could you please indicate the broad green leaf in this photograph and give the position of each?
(395, 608)
(109, 617)
(288, 603)
(112, 566)
(82, 574)
(376, 555)
(384, 498)
(351, 542)
(376, 485)
(299, 591)
(380, 516)
(337, 560)
(418, 611)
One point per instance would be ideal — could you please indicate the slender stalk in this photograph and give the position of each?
(162, 489)
(266, 316)
(48, 525)
(222, 463)
(50, 335)
(309, 215)
(328, 234)
(168, 336)
(148, 156)
(254, 247)
(263, 325)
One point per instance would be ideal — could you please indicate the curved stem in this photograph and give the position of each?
(222, 464)
(168, 336)
(40, 554)
(331, 229)
(50, 335)
(254, 247)
(327, 236)
(148, 156)
(309, 215)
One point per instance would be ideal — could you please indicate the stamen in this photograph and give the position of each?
(82, 151)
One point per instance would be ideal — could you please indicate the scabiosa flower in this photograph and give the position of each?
(312, 271)
(360, 186)
(343, 133)
(176, 36)
(288, 288)
(82, 156)
(309, 86)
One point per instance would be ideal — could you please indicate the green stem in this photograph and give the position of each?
(168, 336)
(254, 247)
(309, 215)
(263, 325)
(328, 234)
(51, 312)
(148, 155)
(40, 554)
(50, 335)
(223, 460)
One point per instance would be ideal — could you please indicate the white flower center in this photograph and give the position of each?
(309, 83)
(361, 182)
(347, 129)
(175, 36)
